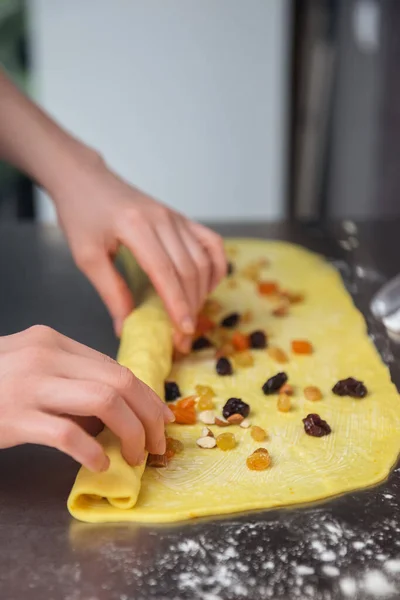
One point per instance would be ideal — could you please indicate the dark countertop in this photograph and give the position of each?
(348, 547)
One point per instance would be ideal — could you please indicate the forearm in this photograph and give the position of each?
(34, 143)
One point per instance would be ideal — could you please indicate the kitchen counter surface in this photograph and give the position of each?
(348, 547)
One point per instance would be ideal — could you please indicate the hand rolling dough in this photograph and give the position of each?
(360, 451)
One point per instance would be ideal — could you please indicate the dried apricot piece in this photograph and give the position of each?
(277, 354)
(226, 441)
(286, 389)
(184, 416)
(244, 359)
(187, 402)
(240, 341)
(258, 433)
(258, 461)
(312, 393)
(267, 288)
(283, 403)
(204, 325)
(302, 347)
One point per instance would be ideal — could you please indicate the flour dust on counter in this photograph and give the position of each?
(310, 555)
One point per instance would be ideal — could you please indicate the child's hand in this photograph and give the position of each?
(184, 260)
(47, 380)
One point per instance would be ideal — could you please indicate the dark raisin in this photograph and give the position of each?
(235, 406)
(315, 426)
(258, 339)
(200, 343)
(274, 384)
(350, 387)
(223, 366)
(172, 391)
(231, 320)
(230, 269)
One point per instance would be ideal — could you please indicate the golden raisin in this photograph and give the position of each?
(205, 403)
(258, 433)
(312, 393)
(225, 350)
(283, 403)
(244, 359)
(226, 441)
(212, 307)
(259, 460)
(174, 445)
(204, 391)
(251, 271)
(277, 354)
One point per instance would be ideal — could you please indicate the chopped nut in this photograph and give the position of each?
(235, 419)
(157, 460)
(221, 422)
(247, 316)
(281, 311)
(245, 424)
(277, 354)
(206, 442)
(206, 432)
(207, 417)
(292, 297)
(286, 389)
(232, 283)
(312, 393)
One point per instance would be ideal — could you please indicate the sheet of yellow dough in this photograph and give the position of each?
(365, 439)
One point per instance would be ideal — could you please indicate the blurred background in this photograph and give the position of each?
(227, 110)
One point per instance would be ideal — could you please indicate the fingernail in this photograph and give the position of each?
(187, 325)
(118, 325)
(106, 464)
(161, 447)
(169, 415)
(142, 458)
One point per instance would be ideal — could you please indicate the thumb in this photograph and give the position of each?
(111, 286)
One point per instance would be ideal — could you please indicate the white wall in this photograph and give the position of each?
(185, 98)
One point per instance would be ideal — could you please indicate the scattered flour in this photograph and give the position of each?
(376, 584)
(328, 555)
(330, 570)
(348, 586)
(393, 565)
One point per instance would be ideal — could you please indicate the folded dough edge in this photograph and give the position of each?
(146, 349)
